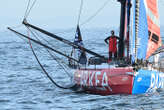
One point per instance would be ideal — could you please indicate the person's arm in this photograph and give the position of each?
(118, 37)
(106, 40)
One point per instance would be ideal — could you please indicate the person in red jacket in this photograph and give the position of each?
(112, 41)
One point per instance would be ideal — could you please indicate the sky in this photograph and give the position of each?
(59, 14)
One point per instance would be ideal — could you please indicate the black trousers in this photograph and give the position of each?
(111, 54)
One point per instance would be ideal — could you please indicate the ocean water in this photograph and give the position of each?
(23, 86)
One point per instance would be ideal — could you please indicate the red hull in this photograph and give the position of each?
(105, 81)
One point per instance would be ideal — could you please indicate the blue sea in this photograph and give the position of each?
(23, 85)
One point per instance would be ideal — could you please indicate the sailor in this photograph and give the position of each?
(112, 44)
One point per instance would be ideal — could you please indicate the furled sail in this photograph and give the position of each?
(153, 26)
(79, 54)
(139, 39)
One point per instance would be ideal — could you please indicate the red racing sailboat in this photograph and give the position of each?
(132, 72)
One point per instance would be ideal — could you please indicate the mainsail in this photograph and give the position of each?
(153, 26)
(146, 37)
(139, 40)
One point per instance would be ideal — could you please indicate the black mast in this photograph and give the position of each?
(122, 28)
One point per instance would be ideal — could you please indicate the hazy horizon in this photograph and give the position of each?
(63, 14)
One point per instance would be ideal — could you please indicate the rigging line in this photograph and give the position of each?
(50, 53)
(79, 16)
(30, 9)
(96, 13)
(41, 64)
(41, 44)
(59, 60)
(27, 8)
(161, 51)
(80, 11)
(59, 63)
(49, 34)
(47, 42)
(46, 73)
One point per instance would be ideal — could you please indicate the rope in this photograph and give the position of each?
(96, 13)
(46, 73)
(80, 11)
(28, 10)
(31, 8)
(54, 57)
(46, 41)
(49, 77)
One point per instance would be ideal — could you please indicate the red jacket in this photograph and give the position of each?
(113, 44)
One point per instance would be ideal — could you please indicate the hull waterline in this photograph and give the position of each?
(118, 81)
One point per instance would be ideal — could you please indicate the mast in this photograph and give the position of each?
(122, 27)
(128, 7)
